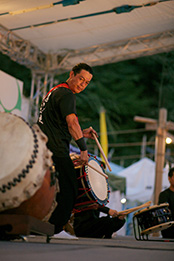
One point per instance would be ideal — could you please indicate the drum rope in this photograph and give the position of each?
(86, 190)
(91, 206)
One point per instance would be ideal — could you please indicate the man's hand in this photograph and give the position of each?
(83, 159)
(114, 213)
(87, 133)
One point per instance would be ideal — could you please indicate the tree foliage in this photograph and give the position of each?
(126, 89)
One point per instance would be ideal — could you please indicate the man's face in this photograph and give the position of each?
(79, 82)
(171, 180)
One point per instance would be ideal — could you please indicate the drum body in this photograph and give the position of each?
(92, 186)
(27, 179)
(153, 219)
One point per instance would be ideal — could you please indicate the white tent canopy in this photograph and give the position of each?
(140, 180)
(45, 35)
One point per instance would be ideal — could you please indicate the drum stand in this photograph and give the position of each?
(18, 226)
(140, 236)
(144, 235)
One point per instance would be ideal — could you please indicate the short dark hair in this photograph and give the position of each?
(171, 171)
(82, 66)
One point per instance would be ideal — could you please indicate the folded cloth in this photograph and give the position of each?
(64, 235)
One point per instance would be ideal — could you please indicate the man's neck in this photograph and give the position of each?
(171, 188)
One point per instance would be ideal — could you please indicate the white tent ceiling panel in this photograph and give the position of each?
(86, 31)
(83, 25)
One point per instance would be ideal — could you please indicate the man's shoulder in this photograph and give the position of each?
(166, 191)
(62, 91)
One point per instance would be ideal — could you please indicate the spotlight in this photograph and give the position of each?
(123, 200)
(168, 140)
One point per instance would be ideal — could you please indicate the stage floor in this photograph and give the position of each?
(83, 249)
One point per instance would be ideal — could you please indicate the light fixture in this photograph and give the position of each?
(168, 140)
(123, 200)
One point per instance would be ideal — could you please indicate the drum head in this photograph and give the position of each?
(16, 145)
(157, 228)
(24, 159)
(96, 182)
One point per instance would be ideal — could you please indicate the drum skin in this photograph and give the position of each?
(28, 183)
(40, 204)
(93, 187)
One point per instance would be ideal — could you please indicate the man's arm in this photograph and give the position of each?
(74, 126)
(76, 133)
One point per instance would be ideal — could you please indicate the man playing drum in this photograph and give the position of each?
(167, 196)
(88, 223)
(58, 120)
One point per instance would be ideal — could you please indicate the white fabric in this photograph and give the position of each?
(83, 33)
(140, 180)
(11, 94)
(64, 235)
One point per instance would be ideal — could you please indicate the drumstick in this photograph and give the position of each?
(79, 166)
(102, 152)
(130, 210)
(101, 173)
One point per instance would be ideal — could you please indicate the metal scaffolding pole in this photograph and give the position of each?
(29, 55)
(40, 85)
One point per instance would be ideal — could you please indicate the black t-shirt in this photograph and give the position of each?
(52, 119)
(167, 196)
